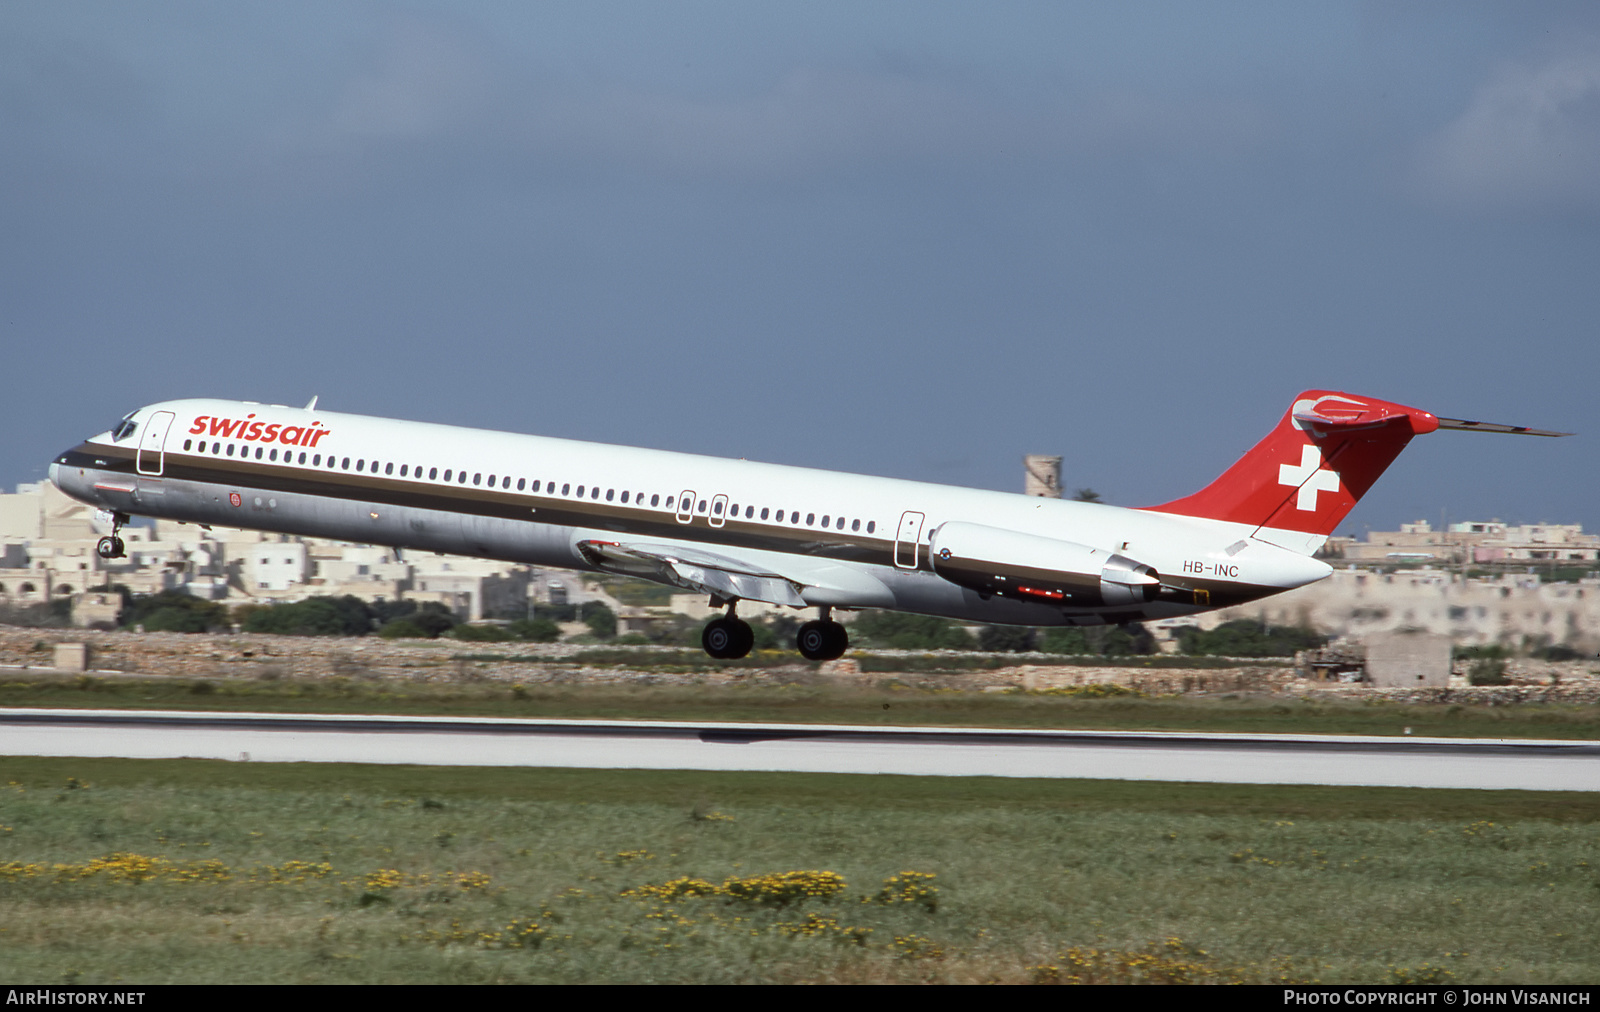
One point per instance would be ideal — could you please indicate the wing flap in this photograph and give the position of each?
(704, 572)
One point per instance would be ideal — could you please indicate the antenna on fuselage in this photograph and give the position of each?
(312, 406)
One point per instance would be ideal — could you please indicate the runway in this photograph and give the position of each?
(1516, 764)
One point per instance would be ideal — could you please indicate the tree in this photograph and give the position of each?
(174, 611)
(535, 630)
(1014, 639)
(602, 621)
(315, 616)
(911, 632)
(1065, 640)
(1247, 637)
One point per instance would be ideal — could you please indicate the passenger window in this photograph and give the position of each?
(668, 503)
(358, 464)
(840, 524)
(536, 485)
(624, 496)
(389, 469)
(717, 509)
(763, 512)
(491, 480)
(580, 491)
(749, 511)
(186, 443)
(315, 461)
(477, 478)
(403, 470)
(655, 499)
(461, 479)
(346, 464)
(521, 482)
(702, 506)
(433, 474)
(506, 482)
(273, 455)
(855, 525)
(447, 473)
(564, 489)
(872, 526)
(230, 449)
(824, 520)
(302, 456)
(610, 494)
(594, 493)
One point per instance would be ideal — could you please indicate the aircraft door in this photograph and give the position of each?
(719, 510)
(905, 542)
(686, 506)
(153, 444)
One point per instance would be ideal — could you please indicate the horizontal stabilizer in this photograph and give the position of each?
(1516, 430)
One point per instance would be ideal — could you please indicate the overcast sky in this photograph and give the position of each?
(913, 239)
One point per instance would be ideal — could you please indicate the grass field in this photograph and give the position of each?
(816, 701)
(192, 871)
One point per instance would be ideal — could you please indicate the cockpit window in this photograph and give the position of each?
(125, 427)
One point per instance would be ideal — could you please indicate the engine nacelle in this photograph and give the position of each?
(1027, 567)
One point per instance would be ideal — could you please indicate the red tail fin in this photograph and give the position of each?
(1300, 481)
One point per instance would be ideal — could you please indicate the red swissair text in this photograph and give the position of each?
(244, 428)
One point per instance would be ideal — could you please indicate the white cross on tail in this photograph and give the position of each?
(1310, 467)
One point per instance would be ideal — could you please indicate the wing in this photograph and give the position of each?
(705, 572)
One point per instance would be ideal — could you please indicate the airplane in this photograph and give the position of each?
(739, 530)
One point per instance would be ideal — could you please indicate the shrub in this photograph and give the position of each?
(1488, 671)
(1249, 638)
(535, 630)
(480, 633)
(1013, 639)
(1064, 641)
(911, 632)
(402, 628)
(174, 611)
(602, 621)
(315, 616)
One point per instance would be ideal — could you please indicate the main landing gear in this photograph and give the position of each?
(111, 546)
(822, 640)
(730, 637)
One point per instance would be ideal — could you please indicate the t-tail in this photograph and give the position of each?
(1298, 483)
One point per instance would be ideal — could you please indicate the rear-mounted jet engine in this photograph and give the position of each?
(990, 560)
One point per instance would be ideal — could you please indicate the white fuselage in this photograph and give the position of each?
(836, 539)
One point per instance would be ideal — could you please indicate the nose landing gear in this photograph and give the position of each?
(111, 547)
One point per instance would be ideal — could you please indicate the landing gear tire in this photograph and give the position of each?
(727, 638)
(822, 641)
(111, 548)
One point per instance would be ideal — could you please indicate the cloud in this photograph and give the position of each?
(421, 80)
(1529, 138)
(419, 97)
(817, 119)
